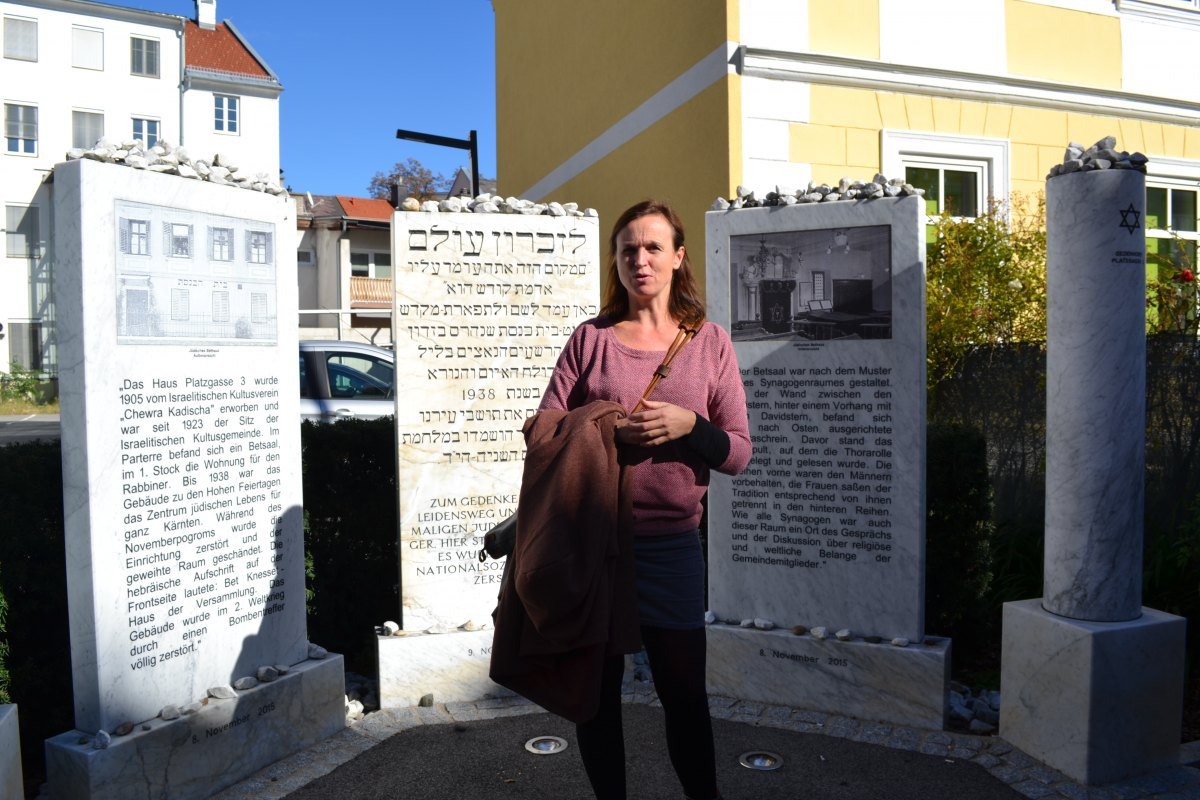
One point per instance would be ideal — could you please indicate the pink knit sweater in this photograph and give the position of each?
(670, 480)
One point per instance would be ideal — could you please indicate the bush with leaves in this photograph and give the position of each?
(1171, 287)
(20, 384)
(986, 284)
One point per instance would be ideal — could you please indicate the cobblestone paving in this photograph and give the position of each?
(1024, 774)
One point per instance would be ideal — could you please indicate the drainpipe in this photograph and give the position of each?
(182, 77)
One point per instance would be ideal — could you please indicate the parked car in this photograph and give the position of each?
(340, 380)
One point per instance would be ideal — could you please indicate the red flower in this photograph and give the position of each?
(1185, 276)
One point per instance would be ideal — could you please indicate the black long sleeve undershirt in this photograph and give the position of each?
(709, 442)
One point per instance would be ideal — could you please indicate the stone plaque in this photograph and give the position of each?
(484, 304)
(826, 525)
(181, 451)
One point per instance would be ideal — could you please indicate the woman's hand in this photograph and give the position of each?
(658, 423)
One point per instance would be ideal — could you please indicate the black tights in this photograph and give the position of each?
(677, 662)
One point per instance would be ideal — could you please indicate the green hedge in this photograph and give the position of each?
(33, 578)
(351, 535)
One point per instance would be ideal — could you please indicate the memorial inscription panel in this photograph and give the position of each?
(826, 524)
(180, 443)
(483, 305)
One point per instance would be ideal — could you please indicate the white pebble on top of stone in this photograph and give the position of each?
(847, 189)
(101, 740)
(222, 692)
(747, 623)
(900, 641)
(266, 674)
(170, 712)
(844, 635)
(410, 204)
(390, 628)
(1102, 155)
(169, 160)
(244, 683)
(709, 618)
(317, 652)
(495, 204)
(763, 624)
(819, 632)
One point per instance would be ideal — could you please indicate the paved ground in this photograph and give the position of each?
(28, 428)
(476, 750)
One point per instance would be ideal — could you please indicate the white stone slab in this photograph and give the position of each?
(181, 452)
(483, 306)
(827, 525)
(1095, 394)
(453, 667)
(12, 784)
(197, 755)
(1100, 701)
(900, 685)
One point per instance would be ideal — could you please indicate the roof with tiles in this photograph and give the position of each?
(366, 208)
(221, 50)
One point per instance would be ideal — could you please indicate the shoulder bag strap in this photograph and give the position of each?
(683, 337)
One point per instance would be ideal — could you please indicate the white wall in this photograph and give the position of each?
(254, 148)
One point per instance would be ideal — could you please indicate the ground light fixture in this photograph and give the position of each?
(761, 760)
(546, 745)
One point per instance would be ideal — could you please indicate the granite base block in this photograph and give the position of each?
(1099, 701)
(453, 667)
(197, 755)
(11, 779)
(901, 685)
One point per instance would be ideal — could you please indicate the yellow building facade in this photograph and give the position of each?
(606, 103)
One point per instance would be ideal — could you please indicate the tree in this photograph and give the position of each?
(413, 179)
(985, 285)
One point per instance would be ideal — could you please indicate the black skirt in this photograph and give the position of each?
(670, 580)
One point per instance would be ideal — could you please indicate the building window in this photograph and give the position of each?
(87, 48)
(21, 231)
(135, 237)
(225, 113)
(178, 239)
(20, 39)
(220, 300)
(371, 265)
(146, 130)
(87, 127)
(304, 257)
(258, 307)
(1172, 232)
(143, 57)
(25, 345)
(220, 244)
(21, 128)
(258, 247)
(180, 310)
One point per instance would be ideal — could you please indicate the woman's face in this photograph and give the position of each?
(647, 258)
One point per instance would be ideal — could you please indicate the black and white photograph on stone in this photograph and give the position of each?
(190, 278)
(824, 285)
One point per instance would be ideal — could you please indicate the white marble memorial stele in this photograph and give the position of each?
(826, 307)
(180, 437)
(483, 305)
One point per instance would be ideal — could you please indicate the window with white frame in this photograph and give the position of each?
(21, 231)
(1178, 10)
(258, 247)
(304, 258)
(180, 305)
(220, 301)
(225, 113)
(147, 130)
(25, 344)
(1172, 223)
(371, 264)
(20, 38)
(21, 128)
(135, 237)
(143, 57)
(258, 307)
(959, 174)
(178, 238)
(220, 244)
(87, 48)
(87, 127)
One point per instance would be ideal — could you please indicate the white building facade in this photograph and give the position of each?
(73, 72)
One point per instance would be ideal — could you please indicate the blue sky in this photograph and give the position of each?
(354, 71)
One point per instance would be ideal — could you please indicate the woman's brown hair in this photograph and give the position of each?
(685, 304)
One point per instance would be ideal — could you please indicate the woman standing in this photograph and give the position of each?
(696, 420)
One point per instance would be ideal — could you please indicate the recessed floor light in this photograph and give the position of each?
(761, 760)
(546, 745)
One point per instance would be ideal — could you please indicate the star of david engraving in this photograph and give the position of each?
(1127, 223)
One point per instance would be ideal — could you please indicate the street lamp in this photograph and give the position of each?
(470, 144)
